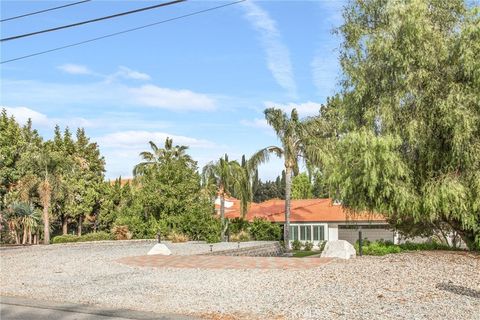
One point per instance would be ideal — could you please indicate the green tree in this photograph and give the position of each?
(410, 110)
(301, 187)
(224, 172)
(290, 131)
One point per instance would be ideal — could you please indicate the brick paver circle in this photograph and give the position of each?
(223, 262)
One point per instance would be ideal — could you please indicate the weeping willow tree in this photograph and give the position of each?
(410, 108)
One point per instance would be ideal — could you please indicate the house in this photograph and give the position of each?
(315, 220)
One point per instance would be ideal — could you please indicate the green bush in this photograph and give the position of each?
(96, 236)
(381, 248)
(237, 225)
(321, 245)
(242, 236)
(308, 246)
(296, 245)
(65, 238)
(264, 230)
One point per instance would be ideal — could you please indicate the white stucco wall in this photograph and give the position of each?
(332, 232)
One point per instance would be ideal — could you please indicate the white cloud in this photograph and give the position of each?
(40, 120)
(75, 69)
(177, 100)
(132, 74)
(305, 109)
(104, 95)
(22, 114)
(256, 123)
(277, 54)
(133, 139)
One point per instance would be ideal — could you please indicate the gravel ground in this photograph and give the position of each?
(422, 285)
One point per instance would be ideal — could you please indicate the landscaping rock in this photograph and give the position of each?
(339, 249)
(159, 248)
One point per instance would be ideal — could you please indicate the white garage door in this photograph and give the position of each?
(370, 232)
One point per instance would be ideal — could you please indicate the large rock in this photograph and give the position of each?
(159, 248)
(339, 249)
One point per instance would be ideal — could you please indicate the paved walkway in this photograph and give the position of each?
(224, 262)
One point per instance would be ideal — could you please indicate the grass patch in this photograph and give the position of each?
(301, 254)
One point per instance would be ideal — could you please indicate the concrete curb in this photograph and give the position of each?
(89, 309)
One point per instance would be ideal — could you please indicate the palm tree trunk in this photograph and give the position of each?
(64, 225)
(46, 225)
(29, 235)
(24, 240)
(288, 190)
(79, 227)
(222, 214)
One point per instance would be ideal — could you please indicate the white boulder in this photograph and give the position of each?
(159, 248)
(339, 249)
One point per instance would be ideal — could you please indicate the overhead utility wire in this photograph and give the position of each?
(92, 20)
(120, 32)
(45, 10)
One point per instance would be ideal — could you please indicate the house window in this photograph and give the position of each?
(294, 232)
(318, 233)
(306, 233)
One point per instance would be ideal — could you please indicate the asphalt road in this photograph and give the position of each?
(14, 308)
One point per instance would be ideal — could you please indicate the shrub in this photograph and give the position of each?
(65, 238)
(121, 233)
(238, 225)
(380, 248)
(178, 237)
(200, 224)
(261, 229)
(296, 245)
(96, 236)
(321, 245)
(240, 237)
(308, 246)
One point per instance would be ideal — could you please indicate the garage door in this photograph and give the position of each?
(370, 232)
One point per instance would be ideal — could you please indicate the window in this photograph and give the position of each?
(293, 233)
(318, 233)
(306, 233)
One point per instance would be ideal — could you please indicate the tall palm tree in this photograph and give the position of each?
(290, 132)
(243, 184)
(157, 156)
(224, 173)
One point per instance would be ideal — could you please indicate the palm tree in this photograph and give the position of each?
(243, 184)
(290, 132)
(151, 159)
(224, 173)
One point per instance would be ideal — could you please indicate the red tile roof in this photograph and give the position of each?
(305, 210)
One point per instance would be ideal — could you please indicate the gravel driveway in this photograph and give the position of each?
(422, 285)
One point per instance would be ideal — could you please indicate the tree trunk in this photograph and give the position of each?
(24, 240)
(46, 225)
(29, 236)
(79, 227)
(288, 189)
(64, 225)
(222, 214)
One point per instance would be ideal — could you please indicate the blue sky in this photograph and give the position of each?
(203, 80)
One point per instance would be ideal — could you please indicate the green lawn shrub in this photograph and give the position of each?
(242, 236)
(65, 238)
(264, 230)
(308, 246)
(296, 245)
(381, 248)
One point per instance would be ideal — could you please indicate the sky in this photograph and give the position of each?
(202, 80)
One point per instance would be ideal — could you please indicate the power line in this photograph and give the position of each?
(121, 32)
(45, 10)
(92, 20)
